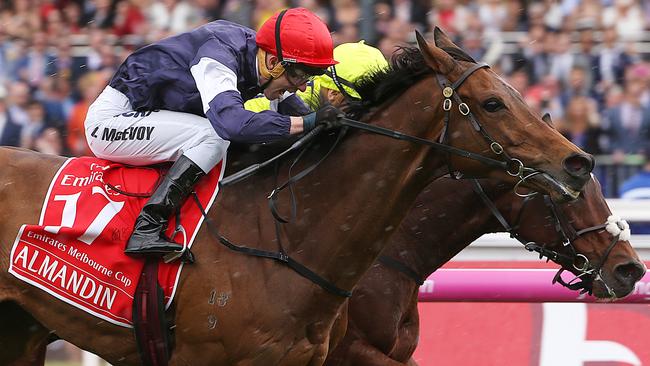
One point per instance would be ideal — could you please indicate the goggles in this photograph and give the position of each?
(298, 74)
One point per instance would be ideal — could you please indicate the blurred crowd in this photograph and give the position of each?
(583, 61)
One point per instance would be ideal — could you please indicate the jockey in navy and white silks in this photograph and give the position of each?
(181, 99)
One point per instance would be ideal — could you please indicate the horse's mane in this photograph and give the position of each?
(406, 67)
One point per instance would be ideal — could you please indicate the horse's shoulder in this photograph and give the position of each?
(10, 153)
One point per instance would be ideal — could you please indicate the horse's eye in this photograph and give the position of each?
(493, 105)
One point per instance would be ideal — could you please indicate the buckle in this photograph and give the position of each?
(463, 108)
(446, 105)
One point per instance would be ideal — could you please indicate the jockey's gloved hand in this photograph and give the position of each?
(329, 115)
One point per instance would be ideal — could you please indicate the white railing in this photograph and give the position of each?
(501, 247)
(631, 210)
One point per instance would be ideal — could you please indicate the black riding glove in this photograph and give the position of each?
(329, 115)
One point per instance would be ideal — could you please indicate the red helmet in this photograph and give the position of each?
(304, 38)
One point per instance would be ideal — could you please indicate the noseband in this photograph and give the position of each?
(587, 272)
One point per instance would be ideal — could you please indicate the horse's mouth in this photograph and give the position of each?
(558, 191)
(604, 292)
(609, 291)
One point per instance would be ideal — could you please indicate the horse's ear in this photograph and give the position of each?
(435, 57)
(547, 118)
(442, 39)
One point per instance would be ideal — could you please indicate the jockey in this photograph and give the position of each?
(182, 99)
(355, 60)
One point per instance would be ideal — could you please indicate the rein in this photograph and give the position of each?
(402, 268)
(511, 166)
(281, 255)
(247, 172)
(436, 145)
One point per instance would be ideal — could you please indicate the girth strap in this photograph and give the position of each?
(149, 323)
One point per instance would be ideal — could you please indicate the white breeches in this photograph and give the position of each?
(115, 132)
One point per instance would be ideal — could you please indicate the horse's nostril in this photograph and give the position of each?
(579, 164)
(629, 272)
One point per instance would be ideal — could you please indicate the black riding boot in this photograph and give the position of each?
(148, 237)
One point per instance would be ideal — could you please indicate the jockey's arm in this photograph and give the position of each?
(215, 74)
(291, 104)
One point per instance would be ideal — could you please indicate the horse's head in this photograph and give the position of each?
(584, 238)
(484, 115)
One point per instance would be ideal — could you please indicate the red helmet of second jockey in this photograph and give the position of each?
(300, 40)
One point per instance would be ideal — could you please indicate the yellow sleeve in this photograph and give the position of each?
(257, 104)
(311, 96)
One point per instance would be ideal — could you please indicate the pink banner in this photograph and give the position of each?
(511, 285)
(528, 334)
(566, 332)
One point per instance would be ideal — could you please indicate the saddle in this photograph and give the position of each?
(75, 251)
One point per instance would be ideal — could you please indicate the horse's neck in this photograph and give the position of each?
(445, 219)
(355, 199)
(370, 194)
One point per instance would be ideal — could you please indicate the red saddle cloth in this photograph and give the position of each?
(75, 252)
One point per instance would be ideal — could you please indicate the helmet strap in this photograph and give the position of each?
(278, 44)
(339, 82)
(271, 74)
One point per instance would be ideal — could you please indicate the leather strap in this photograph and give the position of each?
(149, 321)
(279, 257)
(402, 268)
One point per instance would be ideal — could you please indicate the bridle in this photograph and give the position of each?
(585, 272)
(515, 166)
(512, 166)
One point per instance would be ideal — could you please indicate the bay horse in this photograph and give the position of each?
(445, 219)
(346, 209)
